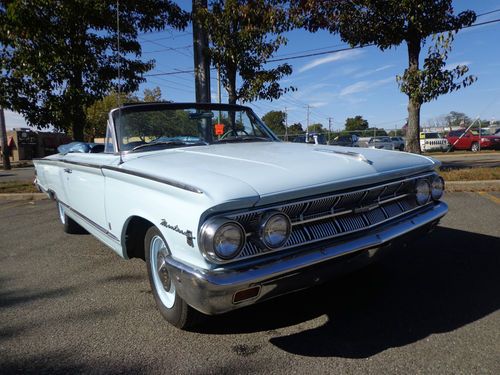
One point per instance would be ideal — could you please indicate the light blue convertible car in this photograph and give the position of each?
(225, 215)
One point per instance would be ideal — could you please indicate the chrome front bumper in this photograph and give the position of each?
(212, 291)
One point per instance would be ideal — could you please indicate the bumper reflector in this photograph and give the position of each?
(245, 294)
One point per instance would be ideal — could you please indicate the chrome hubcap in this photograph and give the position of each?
(163, 284)
(61, 213)
(162, 271)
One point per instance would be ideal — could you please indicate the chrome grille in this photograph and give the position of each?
(375, 216)
(350, 223)
(330, 216)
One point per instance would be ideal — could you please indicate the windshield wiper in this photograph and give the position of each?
(169, 143)
(248, 138)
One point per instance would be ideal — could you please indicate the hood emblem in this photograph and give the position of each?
(352, 154)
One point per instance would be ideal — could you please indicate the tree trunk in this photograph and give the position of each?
(3, 141)
(414, 102)
(78, 123)
(413, 130)
(78, 117)
(231, 90)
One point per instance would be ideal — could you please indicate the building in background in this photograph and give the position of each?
(26, 144)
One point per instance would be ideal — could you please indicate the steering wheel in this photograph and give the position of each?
(233, 132)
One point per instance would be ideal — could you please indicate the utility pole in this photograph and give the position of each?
(219, 94)
(307, 124)
(329, 128)
(201, 61)
(286, 125)
(3, 141)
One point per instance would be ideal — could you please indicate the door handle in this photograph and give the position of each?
(67, 170)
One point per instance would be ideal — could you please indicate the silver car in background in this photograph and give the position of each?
(381, 143)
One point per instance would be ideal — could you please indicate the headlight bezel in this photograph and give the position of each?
(424, 182)
(208, 234)
(265, 221)
(439, 191)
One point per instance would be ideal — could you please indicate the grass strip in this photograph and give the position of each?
(17, 187)
(470, 174)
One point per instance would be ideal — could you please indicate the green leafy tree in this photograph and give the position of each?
(152, 95)
(316, 128)
(243, 36)
(457, 119)
(59, 57)
(275, 120)
(295, 128)
(356, 123)
(389, 23)
(97, 113)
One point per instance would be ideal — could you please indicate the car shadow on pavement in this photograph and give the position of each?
(438, 284)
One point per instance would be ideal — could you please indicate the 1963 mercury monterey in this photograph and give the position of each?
(225, 215)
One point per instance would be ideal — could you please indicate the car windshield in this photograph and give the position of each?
(149, 127)
(432, 135)
(379, 140)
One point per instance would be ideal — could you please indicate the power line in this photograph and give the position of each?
(486, 13)
(169, 49)
(321, 53)
(162, 38)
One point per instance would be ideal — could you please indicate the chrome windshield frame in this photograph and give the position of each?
(143, 107)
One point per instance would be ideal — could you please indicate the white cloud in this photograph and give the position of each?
(370, 72)
(338, 56)
(364, 86)
(318, 104)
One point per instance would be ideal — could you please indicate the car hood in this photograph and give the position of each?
(271, 171)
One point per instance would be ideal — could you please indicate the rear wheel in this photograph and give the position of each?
(475, 147)
(69, 225)
(172, 307)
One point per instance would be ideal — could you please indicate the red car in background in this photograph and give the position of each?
(472, 141)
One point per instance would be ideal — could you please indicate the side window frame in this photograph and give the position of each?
(110, 141)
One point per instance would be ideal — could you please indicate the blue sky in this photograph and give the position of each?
(345, 84)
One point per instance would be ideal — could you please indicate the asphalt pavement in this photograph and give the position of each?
(68, 304)
(25, 174)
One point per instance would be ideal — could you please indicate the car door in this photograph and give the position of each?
(466, 141)
(84, 183)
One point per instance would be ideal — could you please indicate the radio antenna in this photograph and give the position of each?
(118, 58)
(119, 62)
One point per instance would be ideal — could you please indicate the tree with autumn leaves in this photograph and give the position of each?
(58, 58)
(390, 23)
(243, 36)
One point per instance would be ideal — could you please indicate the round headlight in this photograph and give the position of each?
(222, 239)
(437, 188)
(275, 229)
(422, 191)
(228, 240)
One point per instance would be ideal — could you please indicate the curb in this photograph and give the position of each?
(23, 197)
(485, 185)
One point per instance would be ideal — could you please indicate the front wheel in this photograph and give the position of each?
(172, 307)
(475, 147)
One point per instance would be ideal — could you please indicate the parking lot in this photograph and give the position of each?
(68, 304)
